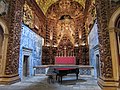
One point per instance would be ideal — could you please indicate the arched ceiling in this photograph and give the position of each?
(71, 19)
(64, 15)
(45, 4)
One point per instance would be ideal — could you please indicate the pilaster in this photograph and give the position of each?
(11, 58)
(109, 77)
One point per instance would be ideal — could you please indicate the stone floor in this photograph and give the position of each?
(40, 83)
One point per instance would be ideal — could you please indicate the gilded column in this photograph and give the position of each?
(14, 18)
(107, 79)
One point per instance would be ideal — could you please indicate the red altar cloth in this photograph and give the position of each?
(65, 60)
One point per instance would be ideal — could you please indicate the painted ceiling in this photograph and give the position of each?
(45, 4)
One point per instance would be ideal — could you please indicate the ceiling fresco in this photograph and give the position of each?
(45, 4)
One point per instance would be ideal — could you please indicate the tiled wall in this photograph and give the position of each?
(31, 44)
(93, 46)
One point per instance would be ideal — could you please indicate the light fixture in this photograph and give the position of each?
(54, 45)
(36, 27)
(48, 45)
(51, 35)
(76, 45)
(66, 28)
(80, 36)
(83, 44)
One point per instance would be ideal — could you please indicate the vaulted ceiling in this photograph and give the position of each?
(71, 19)
(45, 4)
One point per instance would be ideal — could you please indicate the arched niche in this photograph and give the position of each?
(3, 45)
(113, 44)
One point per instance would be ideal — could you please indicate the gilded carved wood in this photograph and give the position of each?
(104, 41)
(15, 18)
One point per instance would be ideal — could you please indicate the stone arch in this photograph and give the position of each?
(3, 46)
(113, 44)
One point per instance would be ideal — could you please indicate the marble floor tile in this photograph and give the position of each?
(40, 83)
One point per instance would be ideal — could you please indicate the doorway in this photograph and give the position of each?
(97, 66)
(1, 44)
(25, 66)
(1, 40)
(117, 25)
(118, 48)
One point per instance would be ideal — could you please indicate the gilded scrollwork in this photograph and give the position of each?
(15, 19)
(28, 15)
(104, 41)
(45, 4)
(3, 7)
(55, 15)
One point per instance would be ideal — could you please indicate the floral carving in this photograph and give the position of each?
(104, 42)
(15, 18)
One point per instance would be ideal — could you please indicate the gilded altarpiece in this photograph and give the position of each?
(66, 29)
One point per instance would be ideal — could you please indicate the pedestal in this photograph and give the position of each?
(108, 84)
(9, 79)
